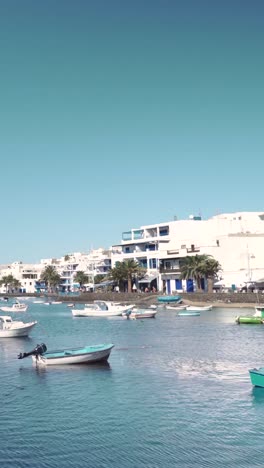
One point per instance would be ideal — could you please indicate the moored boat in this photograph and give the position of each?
(186, 313)
(199, 308)
(13, 328)
(176, 308)
(257, 377)
(102, 309)
(85, 355)
(170, 299)
(136, 313)
(250, 319)
(16, 307)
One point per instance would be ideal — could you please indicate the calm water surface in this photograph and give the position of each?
(176, 392)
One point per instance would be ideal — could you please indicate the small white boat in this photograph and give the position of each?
(259, 310)
(142, 314)
(56, 302)
(101, 309)
(136, 313)
(199, 308)
(13, 328)
(176, 308)
(16, 307)
(85, 355)
(38, 302)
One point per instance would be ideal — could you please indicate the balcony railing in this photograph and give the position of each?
(193, 249)
(172, 269)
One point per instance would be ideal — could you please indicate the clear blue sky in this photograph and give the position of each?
(118, 113)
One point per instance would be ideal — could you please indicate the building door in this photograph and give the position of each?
(189, 285)
(168, 287)
(178, 284)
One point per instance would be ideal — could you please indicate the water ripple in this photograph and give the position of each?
(176, 392)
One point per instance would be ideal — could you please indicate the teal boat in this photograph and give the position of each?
(85, 355)
(185, 313)
(257, 377)
(169, 299)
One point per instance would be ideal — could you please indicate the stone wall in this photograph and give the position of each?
(243, 298)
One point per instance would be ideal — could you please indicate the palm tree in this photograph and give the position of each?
(211, 269)
(81, 278)
(50, 277)
(10, 281)
(198, 267)
(192, 267)
(128, 271)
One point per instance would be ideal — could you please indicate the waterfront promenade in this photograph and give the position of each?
(216, 299)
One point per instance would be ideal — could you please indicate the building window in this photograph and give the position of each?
(153, 263)
(164, 231)
(217, 243)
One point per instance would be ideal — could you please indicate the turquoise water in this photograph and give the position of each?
(176, 392)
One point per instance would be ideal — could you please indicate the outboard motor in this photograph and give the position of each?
(38, 350)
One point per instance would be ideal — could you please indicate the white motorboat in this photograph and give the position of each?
(14, 328)
(176, 308)
(199, 308)
(136, 313)
(85, 355)
(101, 309)
(16, 307)
(259, 310)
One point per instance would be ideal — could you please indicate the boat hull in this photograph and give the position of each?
(98, 354)
(257, 377)
(169, 298)
(17, 332)
(199, 308)
(188, 314)
(249, 319)
(13, 309)
(142, 315)
(96, 313)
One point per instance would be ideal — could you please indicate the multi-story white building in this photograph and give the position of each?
(96, 262)
(26, 273)
(236, 240)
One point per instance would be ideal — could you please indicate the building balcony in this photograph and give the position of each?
(169, 270)
(193, 249)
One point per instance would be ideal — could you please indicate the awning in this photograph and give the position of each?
(148, 278)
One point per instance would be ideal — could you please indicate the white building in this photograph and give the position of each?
(26, 273)
(96, 262)
(236, 240)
